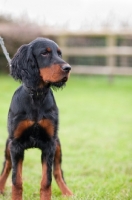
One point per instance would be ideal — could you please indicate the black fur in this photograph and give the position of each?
(33, 114)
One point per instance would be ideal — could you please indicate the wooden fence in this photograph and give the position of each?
(114, 48)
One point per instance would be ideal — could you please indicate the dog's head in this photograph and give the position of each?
(40, 61)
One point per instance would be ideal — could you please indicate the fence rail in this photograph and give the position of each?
(107, 70)
(114, 48)
(97, 51)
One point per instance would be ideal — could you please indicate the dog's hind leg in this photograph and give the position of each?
(6, 168)
(57, 171)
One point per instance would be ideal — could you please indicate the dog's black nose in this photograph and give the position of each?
(66, 68)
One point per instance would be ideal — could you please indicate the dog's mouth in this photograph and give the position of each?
(60, 83)
(64, 79)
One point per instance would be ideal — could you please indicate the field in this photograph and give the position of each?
(96, 136)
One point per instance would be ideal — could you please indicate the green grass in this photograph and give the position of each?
(96, 136)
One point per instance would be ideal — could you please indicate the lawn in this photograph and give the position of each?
(96, 136)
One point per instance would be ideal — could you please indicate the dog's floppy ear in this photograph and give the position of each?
(24, 66)
(19, 62)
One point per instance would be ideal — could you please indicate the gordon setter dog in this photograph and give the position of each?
(33, 115)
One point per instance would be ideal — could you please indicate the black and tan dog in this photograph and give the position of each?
(33, 115)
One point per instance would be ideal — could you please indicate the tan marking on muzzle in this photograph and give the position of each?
(53, 73)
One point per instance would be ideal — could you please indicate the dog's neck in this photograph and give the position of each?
(38, 92)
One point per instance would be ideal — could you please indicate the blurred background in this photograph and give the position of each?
(95, 36)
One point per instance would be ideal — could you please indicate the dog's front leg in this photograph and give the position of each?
(57, 171)
(17, 160)
(47, 162)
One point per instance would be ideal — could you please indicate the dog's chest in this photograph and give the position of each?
(31, 134)
(44, 125)
(37, 124)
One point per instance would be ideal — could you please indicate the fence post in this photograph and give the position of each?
(62, 44)
(111, 42)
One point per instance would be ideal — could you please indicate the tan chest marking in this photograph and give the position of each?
(47, 125)
(22, 126)
(44, 123)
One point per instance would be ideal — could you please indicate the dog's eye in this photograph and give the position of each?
(46, 53)
(59, 53)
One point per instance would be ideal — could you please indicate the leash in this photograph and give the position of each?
(5, 51)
